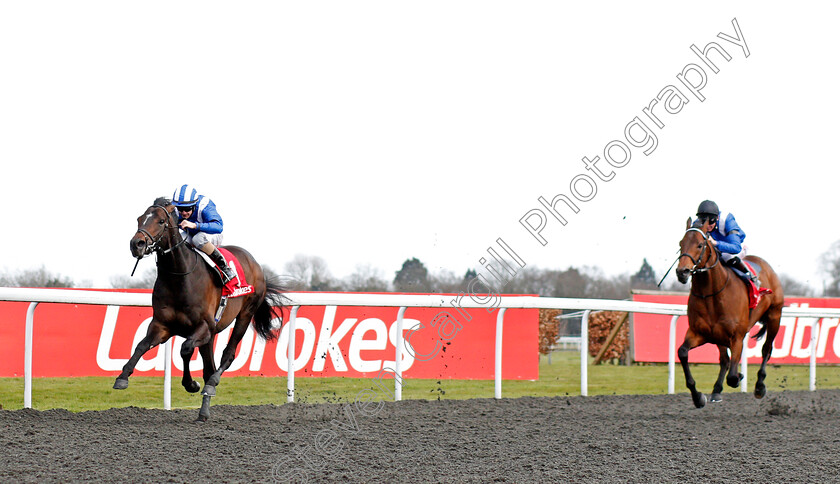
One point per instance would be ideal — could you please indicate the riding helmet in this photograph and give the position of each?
(185, 196)
(708, 207)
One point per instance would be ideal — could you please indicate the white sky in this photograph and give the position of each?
(372, 132)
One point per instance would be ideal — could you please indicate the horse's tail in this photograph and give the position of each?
(760, 331)
(272, 306)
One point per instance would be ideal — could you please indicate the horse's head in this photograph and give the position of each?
(154, 226)
(695, 250)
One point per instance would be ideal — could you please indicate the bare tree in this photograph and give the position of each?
(830, 266)
(40, 277)
(144, 281)
(310, 273)
(794, 287)
(366, 278)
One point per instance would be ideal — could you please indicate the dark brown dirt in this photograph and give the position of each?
(786, 437)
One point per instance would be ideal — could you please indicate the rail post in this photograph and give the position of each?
(498, 370)
(290, 374)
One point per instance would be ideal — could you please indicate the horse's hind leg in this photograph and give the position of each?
(243, 319)
(772, 325)
(155, 335)
(691, 341)
(724, 366)
(736, 346)
(206, 351)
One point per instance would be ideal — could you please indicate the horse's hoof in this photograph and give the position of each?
(209, 390)
(716, 398)
(699, 401)
(733, 380)
(202, 418)
(192, 387)
(760, 392)
(120, 384)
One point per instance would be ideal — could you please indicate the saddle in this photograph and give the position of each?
(754, 293)
(235, 287)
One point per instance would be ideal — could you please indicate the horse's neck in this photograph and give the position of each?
(715, 277)
(175, 257)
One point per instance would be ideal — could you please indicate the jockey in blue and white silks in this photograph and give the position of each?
(201, 225)
(728, 236)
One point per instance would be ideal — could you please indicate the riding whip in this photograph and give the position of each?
(668, 271)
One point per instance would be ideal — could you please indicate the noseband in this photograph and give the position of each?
(151, 241)
(695, 269)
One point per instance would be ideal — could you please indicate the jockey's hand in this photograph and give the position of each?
(713, 242)
(186, 224)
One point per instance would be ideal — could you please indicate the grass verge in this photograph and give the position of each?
(560, 378)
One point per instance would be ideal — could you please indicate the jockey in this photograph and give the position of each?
(201, 225)
(727, 236)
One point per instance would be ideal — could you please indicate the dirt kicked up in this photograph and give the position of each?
(786, 437)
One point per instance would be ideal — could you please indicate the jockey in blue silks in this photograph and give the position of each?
(201, 225)
(728, 238)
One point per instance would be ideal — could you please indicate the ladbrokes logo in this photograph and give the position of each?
(326, 345)
(352, 341)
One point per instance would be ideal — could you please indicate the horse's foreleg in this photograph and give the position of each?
(691, 341)
(154, 336)
(724, 366)
(736, 346)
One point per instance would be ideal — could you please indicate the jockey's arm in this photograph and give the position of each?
(211, 221)
(731, 243)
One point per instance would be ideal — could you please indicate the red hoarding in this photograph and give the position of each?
(792, 344)
(86, 340)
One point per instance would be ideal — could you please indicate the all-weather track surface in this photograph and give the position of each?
(786, 437)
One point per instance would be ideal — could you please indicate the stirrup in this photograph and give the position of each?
(227, 274)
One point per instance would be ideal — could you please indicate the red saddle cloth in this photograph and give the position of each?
(755, 293)
(237, 286)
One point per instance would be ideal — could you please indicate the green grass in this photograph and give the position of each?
(562, 377)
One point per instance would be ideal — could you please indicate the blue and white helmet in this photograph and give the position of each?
(185, 196)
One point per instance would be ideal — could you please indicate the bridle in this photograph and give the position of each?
(699, 270)
(153, 242)
(695, 269)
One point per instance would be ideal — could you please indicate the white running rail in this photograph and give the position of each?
(402, 301)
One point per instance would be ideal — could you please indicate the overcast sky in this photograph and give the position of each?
(372, 132)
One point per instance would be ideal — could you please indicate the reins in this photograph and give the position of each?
(699, 270)
(153, 246)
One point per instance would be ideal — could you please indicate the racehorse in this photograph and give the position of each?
(187, 296)
(719, 313)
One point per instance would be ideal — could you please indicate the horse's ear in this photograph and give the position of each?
(688, 223)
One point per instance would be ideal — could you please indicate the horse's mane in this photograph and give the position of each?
(162, 201)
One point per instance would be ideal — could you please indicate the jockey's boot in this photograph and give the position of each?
(219, 260)
(737, 263)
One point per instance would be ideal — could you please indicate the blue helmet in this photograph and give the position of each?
(185, 196)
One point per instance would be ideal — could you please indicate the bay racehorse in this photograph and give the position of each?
(187, 295)
(719, 312)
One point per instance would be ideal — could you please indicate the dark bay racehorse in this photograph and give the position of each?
(186, 296)
(719, 313)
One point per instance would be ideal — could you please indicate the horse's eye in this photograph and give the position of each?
(699, 246)
(161, 221)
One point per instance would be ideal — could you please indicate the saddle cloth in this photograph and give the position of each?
(237, 286)
(754, 293)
